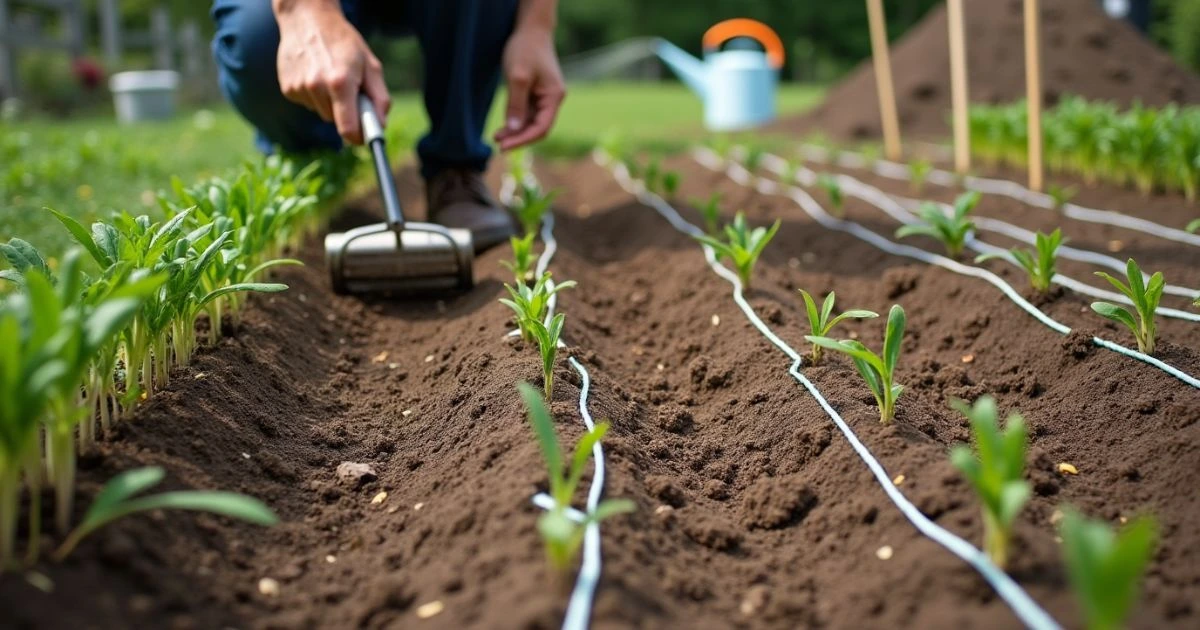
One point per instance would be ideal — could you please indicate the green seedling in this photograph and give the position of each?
(670, 183)
(651, 174)
(119, 499)
(1193, 227)
(918, 172)
(754, 157)
(742, 246)
(710, 209)
(1105, 567)
(951, 230)
(878, 371)
(524, 259)
(531, 303)
(547, 336)
(561, 534)
(1145, 297)
(820, 321)
(995, 469)
(1060, 196)
(530, 205)
(1039, 264)
(833, 190)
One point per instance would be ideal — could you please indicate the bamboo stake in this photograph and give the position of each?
(1033, 93)
(883, 80)
(958, 87)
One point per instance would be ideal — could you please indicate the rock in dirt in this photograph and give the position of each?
(355, 474)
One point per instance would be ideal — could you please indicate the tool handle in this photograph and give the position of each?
(372, 130)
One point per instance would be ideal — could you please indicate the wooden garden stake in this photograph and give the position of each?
(1033, 93)
(883, 80)
(958, 87)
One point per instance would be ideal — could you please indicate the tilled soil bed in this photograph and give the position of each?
(753, 509)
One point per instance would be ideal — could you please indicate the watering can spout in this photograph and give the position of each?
(691, 70)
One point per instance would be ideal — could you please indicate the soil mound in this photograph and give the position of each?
(1084, 52)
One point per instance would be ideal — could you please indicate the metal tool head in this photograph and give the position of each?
(396, 257)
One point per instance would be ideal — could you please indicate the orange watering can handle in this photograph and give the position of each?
(722, 32)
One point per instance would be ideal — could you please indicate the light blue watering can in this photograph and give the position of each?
(737, 86)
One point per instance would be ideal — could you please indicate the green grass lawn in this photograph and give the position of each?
(90, 167)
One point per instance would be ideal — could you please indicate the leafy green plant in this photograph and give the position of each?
(1145, 297)
(833, 190)
(878, 371)
(1060, 196)
(1039, 264)
(918, 172)
(1106, 567)
(952, 230)
(524, 259)
(547, 336)
(530, 205)
(710, 209)
(119, 499)
(754, 157)
(670, 183)
(1193, 227)
(742, 246)
(995, 469)
(531, 303)
(821, 323)
(561, 534)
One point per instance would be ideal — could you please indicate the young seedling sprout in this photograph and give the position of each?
(547, 336)
(820, 321)
(951, 230)
(1105, 567)
(878, 371)
(1060, 196)
(1145, 297)
(530, 205)
(523, 260)
(531, 303)
(918, 172)
(561, 534)
(833, 190)
(1040, 265)
(1193, 227)
(742, 246)
(995, 469)
(710, 209)
(754, 156)
(670, 183)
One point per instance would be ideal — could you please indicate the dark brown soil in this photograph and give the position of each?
(753, 510)
(1084, 52)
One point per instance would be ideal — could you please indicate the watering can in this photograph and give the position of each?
(737, 86)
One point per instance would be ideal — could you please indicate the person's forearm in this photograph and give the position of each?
(538, 14)
(284, 8)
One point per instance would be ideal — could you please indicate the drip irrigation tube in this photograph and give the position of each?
(579, 608)
(1018, 600)
(898, 211)
(814, 210)
(1004, 187)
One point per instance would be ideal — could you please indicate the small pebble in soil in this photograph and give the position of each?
(794, 263)
(1115, 246)
(393, 366)
(967, 358)
(393, 509)
(1068, 469)
(429, 358)
(899, 479)
(432, 609)
(716, 320)
(379, 498)
(406, 413)
(356, 474)
(1055, 517)
(200, 376)
(268, 587)
(660, 367)
(754, 600)
(418, 506)
(330, 558)
(245, 455)
(884, 552)
(380, 358)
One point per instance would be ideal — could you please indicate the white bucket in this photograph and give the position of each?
(144, 94)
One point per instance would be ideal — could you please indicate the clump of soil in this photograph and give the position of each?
(1084, 52)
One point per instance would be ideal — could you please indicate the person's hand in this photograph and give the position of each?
(323, 64)
(535, 87)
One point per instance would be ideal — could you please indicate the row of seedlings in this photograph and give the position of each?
(1104, 566)
(83, 348)
(532, 299)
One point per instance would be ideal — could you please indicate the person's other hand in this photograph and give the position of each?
(535, 87)
(323, 64)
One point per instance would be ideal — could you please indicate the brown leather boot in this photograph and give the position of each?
(459, 198)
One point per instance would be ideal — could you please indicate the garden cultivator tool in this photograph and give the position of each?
(396, 256)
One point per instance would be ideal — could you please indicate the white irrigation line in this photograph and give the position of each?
(1004, 187)
(900, 211)
(579, 609)
(814, 210)
(1018, 600)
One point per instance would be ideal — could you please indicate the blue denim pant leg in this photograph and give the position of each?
(462, 41)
